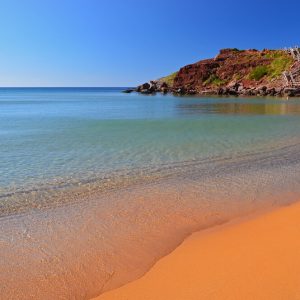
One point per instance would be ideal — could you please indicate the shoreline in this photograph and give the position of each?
(254, 257)
(288, 92)
(216, 95)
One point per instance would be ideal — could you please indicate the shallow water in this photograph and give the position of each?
(96, 185)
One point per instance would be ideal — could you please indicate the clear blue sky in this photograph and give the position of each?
(126, 42)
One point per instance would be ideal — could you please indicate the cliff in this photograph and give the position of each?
(233, 72)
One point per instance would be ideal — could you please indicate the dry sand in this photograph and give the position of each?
(255, 259)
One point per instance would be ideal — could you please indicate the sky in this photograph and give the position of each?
(128, 42)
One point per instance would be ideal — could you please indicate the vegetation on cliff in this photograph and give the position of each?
(231, 72)
(248, 68)
(169, 80)
(280, 61)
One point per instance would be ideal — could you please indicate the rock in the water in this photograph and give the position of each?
(128, 91)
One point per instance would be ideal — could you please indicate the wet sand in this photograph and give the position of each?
(99, 241)
(258, 258)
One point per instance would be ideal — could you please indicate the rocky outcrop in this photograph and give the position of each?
(153, 86)
(232, 72)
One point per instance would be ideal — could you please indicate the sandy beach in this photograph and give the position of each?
(257, 258)
(149, 150)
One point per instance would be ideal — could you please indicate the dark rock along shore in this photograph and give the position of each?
(232, 72)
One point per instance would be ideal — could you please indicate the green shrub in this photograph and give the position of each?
(259, 72)
(169, 80)
(214, 80)
(281, 61)
(279, 65)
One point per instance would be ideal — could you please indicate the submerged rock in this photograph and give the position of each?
(128, 91)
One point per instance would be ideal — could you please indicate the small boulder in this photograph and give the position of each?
(145, 86)
(128, 91)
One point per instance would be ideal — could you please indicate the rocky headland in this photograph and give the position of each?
(234, 72)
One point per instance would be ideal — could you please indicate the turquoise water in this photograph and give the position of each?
(95, 183)
(72, 134)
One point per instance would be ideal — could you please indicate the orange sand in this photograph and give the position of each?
(256, 259)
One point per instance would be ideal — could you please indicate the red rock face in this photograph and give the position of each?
(193, 76)
(229, 65)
